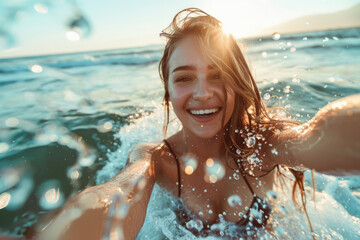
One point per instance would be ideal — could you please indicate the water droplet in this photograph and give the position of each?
(50, 195)
(214, 171)
(79, 28)
(286, 89)
(292, 49)
(36, 68)
(325, 39)
(236, 176)
(86, 160)
(276, 36)
(274, 151)
(335, 38)
(198, 225)
(258, 137)
(210, 211)
(190, 163)
(72, 36)
(264, 54)
(3, 147)
(236, 130)
(238, 151)
(250, 142)
(305, 38)
(74, 173)
(234, 200)
(104, 126)
(41, 8)
(267, 96)
(4, 199)
(253, 159)
(12, 122)
(275, 81)
(209, 162)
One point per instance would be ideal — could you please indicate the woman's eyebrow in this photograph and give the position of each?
(184, 68)
(190, 68)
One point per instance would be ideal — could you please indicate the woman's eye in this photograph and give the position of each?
(215, 76)
(183, 79)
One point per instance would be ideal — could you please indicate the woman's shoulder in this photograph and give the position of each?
(144, 150)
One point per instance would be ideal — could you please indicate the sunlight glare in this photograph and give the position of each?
(237, 16)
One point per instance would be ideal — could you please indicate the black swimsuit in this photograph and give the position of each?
(256, 217)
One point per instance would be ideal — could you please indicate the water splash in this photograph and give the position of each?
(79, 28)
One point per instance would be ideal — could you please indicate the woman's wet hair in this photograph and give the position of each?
(223, 52)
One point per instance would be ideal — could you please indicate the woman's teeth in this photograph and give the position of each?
(204, 111)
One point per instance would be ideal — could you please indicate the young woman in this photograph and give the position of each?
(224, 159)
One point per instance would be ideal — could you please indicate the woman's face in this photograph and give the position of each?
(197, 91)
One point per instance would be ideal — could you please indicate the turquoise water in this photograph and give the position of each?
(68, 121)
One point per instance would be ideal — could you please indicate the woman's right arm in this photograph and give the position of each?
(116, 207)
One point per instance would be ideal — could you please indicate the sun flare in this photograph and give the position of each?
(240, 18)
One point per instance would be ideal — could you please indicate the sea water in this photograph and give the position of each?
(69, 121)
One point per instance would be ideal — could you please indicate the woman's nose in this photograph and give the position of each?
(202, 90)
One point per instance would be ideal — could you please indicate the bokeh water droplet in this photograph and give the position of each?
(104, 126)
(41, 8)
(292, 49)
(9, 177)
(4, 199)
(264, 54)
(234, 200)
(78, 28)
(36, 68)
(74, 173)
(50, 196)
(3, 147)
(276, 36)
(267, 96)
(190, 164)
(12, 122)
(286, 89)
(214, 171)
(86, 160)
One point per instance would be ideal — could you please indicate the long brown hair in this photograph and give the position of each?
(224, 53)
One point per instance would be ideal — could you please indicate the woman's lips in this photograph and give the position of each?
(204, 115)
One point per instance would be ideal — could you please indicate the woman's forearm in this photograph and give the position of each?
(330, 142)
(119, 204)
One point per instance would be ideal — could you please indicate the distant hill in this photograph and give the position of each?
(349, 18)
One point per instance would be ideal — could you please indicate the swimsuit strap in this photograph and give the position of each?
(177, 164)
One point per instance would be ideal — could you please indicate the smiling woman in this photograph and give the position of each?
(222, 165)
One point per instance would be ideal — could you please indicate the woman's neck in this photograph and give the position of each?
(204, 148)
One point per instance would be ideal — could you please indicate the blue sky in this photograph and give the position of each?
(120, 24)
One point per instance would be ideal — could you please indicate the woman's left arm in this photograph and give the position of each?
(330, 142)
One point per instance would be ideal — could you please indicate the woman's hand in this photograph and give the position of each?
(116, 207)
